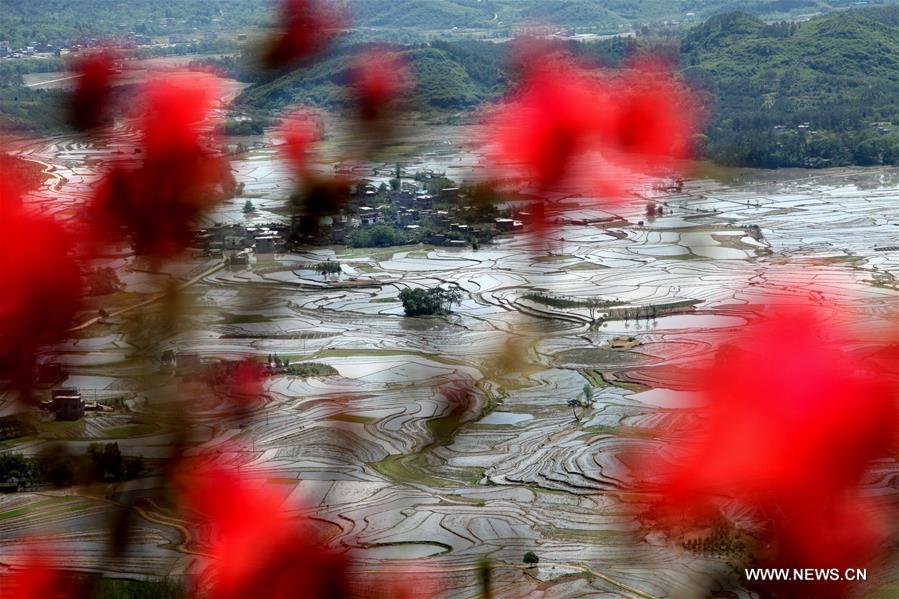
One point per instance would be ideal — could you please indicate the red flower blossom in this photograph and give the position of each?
(308, 27)
(37, 578)
(794, 421)
(299, 131)
(552, 121)
(20, 176)
(651, 121)
(414, 582)
(246, 378)
(379, 78)
(90, 100)
(568, 126)
(254, 543)
(178, 178)
(41, 284)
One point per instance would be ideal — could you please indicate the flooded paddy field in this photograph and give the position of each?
(384, 456)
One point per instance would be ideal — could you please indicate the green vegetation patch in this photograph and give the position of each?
(130, 430)
(565, 303)
(410, 469)
(598, 355)
(587, 266)
(310, 369)
(246, 318)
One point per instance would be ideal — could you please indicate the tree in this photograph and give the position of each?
(446, 297)
(588, 394)
(593, 305)
(248, 207)
(574, 405)
(328, 267)
(531, 559)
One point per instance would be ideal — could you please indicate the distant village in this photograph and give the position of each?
(121, 41)
(428, 208)
(425, 208)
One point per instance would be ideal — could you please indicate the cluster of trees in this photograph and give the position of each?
(276, 361)
(378, 236)
(328, 267)
(102, 281)
(12, 71)
(722, 541)
(427, 302)
(308, 369)
(101, 463)
(302, 369)
(103, 587)
(238, 127)
(593, 304)
(28, 109)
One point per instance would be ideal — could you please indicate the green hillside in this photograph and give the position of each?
(424, 14)
(26, 21)
(45, 21)
(814, 94)
(449, 76)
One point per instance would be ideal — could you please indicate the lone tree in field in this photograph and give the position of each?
(531, 559)
(588, 395)
(593, 306)
(248, 207)
(574, 404)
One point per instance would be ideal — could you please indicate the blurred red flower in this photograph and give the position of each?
(41, 282)
(89, 104)
(307, 28)
(299, 130)
(796, 415)
(568, 127)
(37, 578)
(246, 378)
(253, 543)
(178, 178)
(651, 119)
(414, 582)
(554, 119)
(380, 77)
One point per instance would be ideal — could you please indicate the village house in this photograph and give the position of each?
(66, 404)
(507, 225)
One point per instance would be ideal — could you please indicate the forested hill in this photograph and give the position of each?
(449, 76)
(824, 92)
(818, 93)
(28, 21)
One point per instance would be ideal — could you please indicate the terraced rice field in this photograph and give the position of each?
(385, 458)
